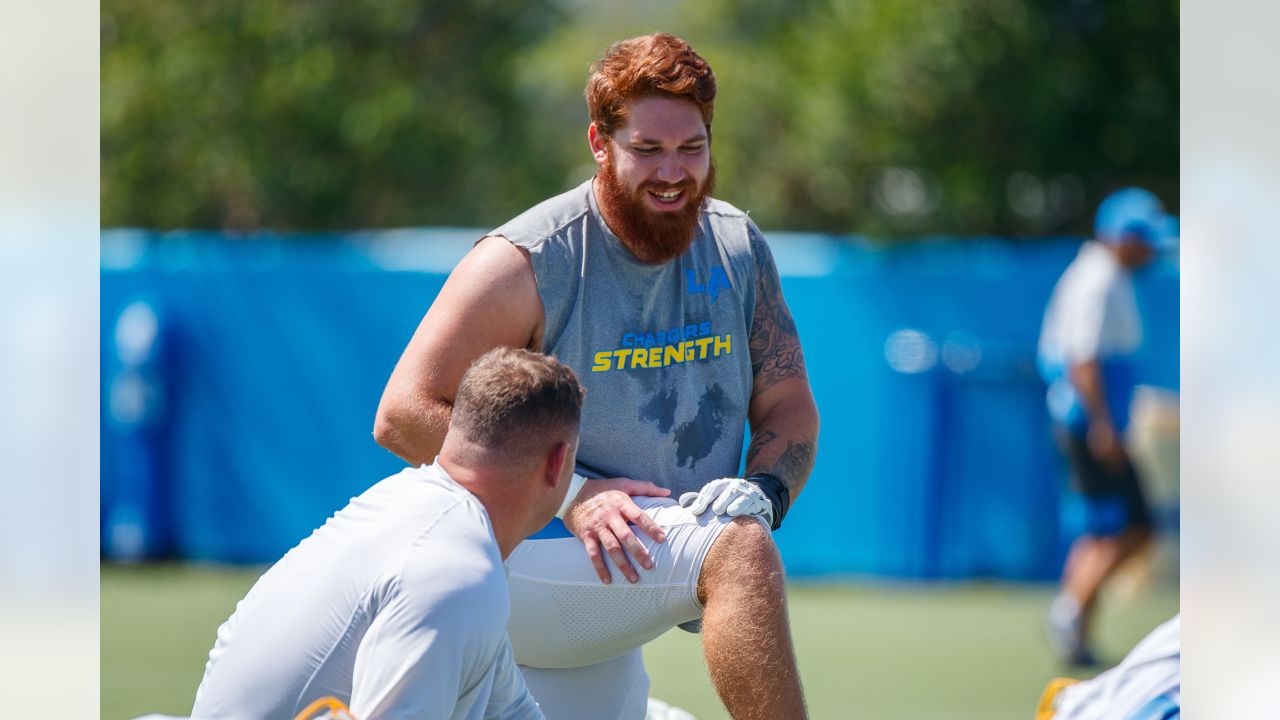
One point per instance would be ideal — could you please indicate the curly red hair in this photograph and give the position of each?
(658, 64)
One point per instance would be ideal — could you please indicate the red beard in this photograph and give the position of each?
(652, 236)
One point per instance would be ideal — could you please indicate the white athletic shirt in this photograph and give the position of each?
(397, 605)
(1093, 313)
(1146, 684)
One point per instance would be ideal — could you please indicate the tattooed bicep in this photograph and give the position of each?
(774, 344)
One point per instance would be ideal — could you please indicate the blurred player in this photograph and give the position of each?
(668, 306)
(1091, 331)
(398, 605)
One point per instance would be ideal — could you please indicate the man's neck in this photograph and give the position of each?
(492, 490)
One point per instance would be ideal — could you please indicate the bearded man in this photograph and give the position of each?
(667, 305)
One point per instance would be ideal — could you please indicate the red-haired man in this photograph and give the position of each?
(668, 306)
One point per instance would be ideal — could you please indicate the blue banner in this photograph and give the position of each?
(241, 376)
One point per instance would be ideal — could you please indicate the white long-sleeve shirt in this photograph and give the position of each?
(1093, 312)
(397, 605)
(1092, 315)
(1147, 684)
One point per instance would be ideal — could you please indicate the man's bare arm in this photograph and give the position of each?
(1087, 379)
(1102, 438)
(782, 414)
(490, 299)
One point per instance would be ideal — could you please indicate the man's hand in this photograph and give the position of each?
(1107, 446)
(730, 496)
(599, 517)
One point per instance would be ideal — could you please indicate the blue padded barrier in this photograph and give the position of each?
(934, 459)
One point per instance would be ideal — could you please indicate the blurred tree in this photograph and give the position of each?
(317, 115)
(894, 119)
(914, 117)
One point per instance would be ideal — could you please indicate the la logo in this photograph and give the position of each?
(717, 282)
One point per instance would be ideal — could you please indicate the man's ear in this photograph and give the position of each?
(557, 456)
(597, 140)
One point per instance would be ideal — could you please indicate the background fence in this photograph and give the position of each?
(240, 381)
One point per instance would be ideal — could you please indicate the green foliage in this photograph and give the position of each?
(888, 118)
(319, 114)
(1003, 116)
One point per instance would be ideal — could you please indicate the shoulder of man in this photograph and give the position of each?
(715, 206)
(533, 226)
(729, 223)
(455, 539)
(457, 575)
(1091, 273)
(1096, 260)
(739, 237)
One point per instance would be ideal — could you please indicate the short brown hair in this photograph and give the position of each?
(509, 397)
(658, 64)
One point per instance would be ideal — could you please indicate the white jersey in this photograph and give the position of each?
(398, 606)
(1146, 684)
(1092, 316)
(1093, 312)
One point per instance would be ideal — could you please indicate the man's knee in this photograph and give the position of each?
(743, 556)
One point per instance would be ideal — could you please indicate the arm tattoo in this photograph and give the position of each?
(793, 465)
(774, 344)
(758, 441)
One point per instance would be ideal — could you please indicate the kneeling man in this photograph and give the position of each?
(398, 605)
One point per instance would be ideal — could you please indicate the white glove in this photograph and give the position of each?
(730, 496)
(659, 710)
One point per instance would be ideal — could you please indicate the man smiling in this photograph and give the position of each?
(649, 197)
(667, 304)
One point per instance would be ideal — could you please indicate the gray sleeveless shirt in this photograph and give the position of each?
(661, 349)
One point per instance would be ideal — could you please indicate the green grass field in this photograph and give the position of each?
(887, 652)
